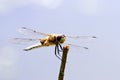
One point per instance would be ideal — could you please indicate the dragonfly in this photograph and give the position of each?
(50, 39)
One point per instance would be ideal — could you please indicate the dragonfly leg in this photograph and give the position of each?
(57, 52)
(61, 49)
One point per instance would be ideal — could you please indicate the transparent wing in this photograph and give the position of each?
(24, 40)
(79, 39)
(31, 32)
(82, 37)
(76, 46)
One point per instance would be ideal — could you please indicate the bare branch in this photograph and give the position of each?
(63, 62)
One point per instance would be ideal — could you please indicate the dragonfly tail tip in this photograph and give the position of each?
(25, 49)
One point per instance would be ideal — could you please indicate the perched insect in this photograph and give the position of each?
(50, 39)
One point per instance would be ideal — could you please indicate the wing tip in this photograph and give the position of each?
(94, 37)
(22, 28)
(85, 47)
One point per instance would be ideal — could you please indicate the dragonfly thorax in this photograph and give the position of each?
(52, 40)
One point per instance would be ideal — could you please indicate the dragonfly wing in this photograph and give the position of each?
(31, 32)
(82, 37)
(24, 40)
(79, 39)
(77, 46)
(74, 48)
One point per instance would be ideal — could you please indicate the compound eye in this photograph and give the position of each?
(59, 38)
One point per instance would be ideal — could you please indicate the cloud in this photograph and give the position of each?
(9, 5)
(48, 3)
(89, 7)
(8, 58)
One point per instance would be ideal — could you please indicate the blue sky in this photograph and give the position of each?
(71, 17)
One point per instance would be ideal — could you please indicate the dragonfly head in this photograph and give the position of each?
(61, 38)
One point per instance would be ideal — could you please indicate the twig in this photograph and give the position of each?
(63, 62)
